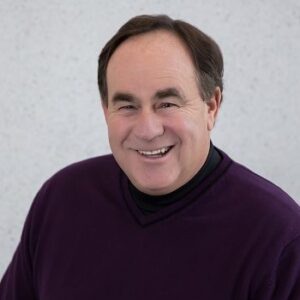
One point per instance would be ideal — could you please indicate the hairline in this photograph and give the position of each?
(170, 30)
(208, 75)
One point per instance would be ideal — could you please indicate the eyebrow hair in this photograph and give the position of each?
(168, 92)
(120, 96)
(160, 94)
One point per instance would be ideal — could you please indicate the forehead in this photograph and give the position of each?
(151, 58)
(159, 41)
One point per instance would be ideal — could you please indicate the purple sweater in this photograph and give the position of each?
(236, 236)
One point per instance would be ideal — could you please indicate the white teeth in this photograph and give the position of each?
(154, 152)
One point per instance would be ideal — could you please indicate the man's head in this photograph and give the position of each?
(158, 114)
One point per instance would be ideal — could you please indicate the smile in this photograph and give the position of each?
(155, 153)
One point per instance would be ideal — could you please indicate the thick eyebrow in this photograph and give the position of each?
(168, 92)
(119, 97)
(160, 94)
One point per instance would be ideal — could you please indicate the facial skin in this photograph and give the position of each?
(154, 103)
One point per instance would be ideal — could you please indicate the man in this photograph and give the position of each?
(168, 216)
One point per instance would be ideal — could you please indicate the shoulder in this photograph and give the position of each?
(78, 181)
(261, 201)
(257, 188)
(266, 222)
(78, 189)
(97, 170)
(244, 182)
(100, 166)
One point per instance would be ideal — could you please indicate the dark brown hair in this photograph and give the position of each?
(205, 52)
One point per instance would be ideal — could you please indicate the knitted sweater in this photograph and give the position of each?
(236, 236)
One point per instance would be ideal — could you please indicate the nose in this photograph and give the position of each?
(148, 126)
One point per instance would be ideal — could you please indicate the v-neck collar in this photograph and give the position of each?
(146, 220)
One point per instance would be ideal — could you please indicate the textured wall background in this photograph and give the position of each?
(50, 112)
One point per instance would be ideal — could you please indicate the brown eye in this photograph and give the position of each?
(126, 107)
(167, 105)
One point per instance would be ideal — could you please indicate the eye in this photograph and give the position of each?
(126, 107)
(167, 105)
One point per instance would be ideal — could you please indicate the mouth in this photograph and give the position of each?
(155, 153)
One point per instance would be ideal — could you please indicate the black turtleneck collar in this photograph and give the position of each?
(150, 204)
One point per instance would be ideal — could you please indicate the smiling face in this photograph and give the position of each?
(158, 125)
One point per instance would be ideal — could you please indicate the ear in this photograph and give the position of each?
(213, 106)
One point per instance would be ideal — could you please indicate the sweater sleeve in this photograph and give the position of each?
(286, 283)
(18, 280)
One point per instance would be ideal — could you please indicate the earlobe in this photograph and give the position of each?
(213, 108)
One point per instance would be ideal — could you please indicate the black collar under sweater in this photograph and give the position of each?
(150, 204)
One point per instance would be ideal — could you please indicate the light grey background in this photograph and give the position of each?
(50, 114)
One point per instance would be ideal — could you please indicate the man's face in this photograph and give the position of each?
(158, 125)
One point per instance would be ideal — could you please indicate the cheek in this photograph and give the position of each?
(188, 127)
(118, 131)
